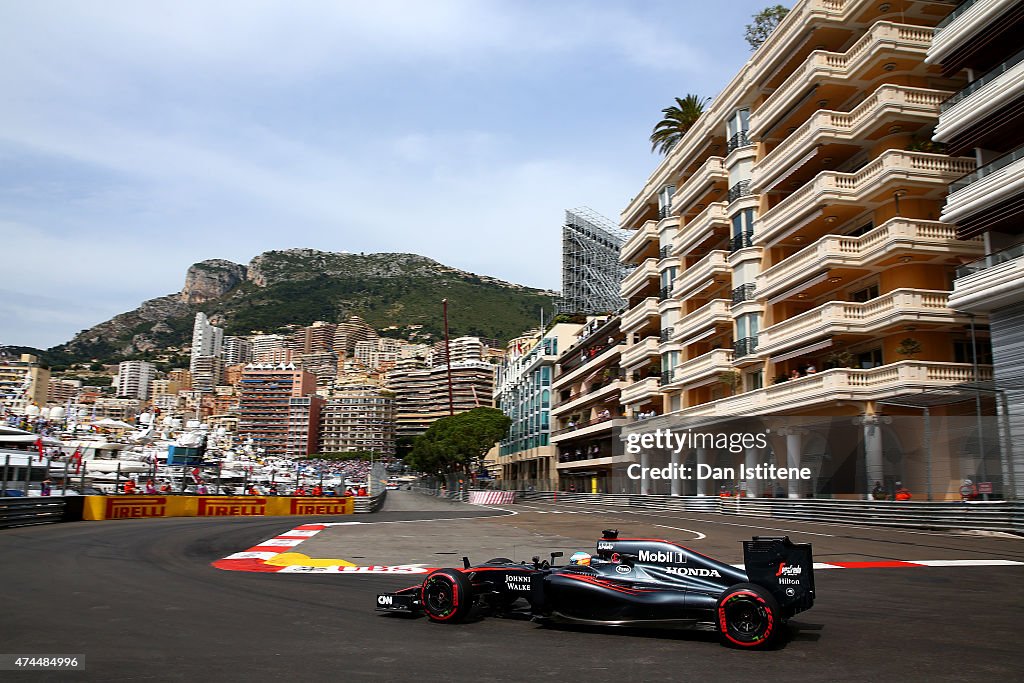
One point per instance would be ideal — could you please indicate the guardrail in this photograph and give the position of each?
(1002, 516)
(367, 504)
(26, 511)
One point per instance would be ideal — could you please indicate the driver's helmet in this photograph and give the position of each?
(580, 558)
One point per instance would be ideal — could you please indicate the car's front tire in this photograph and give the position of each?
(748, 616)
(447, 596)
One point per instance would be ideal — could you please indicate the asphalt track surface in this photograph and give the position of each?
(141, 601)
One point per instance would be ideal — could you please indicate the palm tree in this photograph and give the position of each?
(677, 121)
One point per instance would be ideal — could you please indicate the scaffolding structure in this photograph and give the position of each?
(591, 272)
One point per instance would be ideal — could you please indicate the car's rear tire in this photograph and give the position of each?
(748, 616)
(447, 596)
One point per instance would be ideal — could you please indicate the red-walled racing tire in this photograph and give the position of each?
(447, 596)
(748, 616)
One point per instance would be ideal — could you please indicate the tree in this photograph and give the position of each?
(457, 443)
(678, 119)
(765, 22)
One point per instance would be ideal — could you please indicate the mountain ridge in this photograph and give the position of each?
(398, 293)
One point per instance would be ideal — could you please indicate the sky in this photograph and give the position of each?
(138, 138)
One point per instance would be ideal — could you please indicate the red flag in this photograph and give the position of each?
(195, 475)
(39, 445)
(76, 458)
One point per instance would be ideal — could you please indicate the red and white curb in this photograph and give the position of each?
(260, 558)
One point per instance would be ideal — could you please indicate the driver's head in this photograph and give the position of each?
(580, 558)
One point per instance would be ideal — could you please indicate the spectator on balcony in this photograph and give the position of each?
(795, 374)
(810, 369)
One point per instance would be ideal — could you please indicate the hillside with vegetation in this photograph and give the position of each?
(398, 294)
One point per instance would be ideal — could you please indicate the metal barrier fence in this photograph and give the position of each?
(367, 504)
(974, 515)
(26, 511)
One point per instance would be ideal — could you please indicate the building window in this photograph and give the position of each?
(869, 359)
(866, 294)
(963, 352)
(755, 380)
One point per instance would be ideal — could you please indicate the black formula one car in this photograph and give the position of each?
(636, 582)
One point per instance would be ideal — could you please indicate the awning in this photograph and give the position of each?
(802, 351)
(698, 337)
(791, 170)
(798, 288)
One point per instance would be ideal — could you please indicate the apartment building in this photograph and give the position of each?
(315, 338)
(321, 364)
(526, 457)
(587, 410)
(23, 382)
(358, 417)
(60, 391)
(270, 348)
(236, 351)
(207, 339)
(207, 372)
(422, 392)
(124, 409)
(303, 434)
(792, 257)
(266, 414)
(983, 120)
(349, 333)
(134, 378)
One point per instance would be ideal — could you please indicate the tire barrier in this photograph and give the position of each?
(492, 497)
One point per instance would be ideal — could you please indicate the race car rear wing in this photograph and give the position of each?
(784, 568)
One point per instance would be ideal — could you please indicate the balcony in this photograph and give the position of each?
(590, 428)
(984, 189)
(637, 353)
(640, 391)
(664, 252)
(744, 347)
(665, 293)
(904, 378)
(575, 367)
(885, 40)
(711, 173)
(895, 236)
(713, 313)
(636, 317)
(745, 292)
(666, 334)
(991, 282)
(893, 166)
(712, 219)
(703, 274)
(897, 308)
(701, 370)
(961, 25)
(740, 139)
(637, 243)
(740, 189)
(886, 105)
(639, 279)
(741, 241)
(593, 395)
(981, 99)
